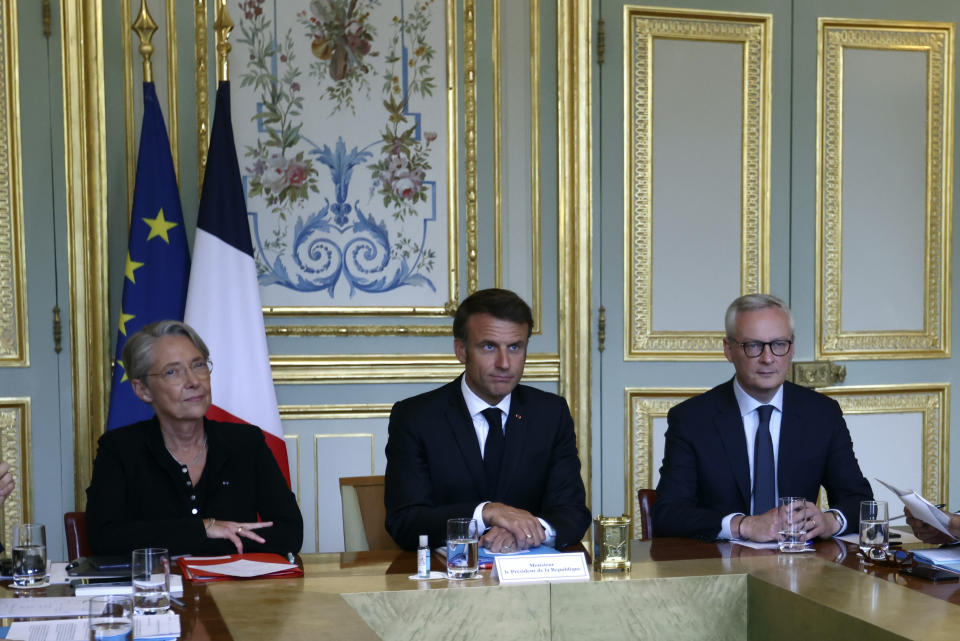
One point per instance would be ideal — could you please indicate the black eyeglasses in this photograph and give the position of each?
(753, 349)
(176, 374)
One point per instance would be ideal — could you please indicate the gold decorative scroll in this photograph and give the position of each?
(642, 25)
(937, 41)
(574, 65)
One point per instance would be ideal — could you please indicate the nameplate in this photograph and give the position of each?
(524, 568)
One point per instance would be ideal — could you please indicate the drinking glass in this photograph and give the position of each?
(463, 548)
(874, 530)
(29, 554)
(791, 523)
(111, 618)
(150, 574)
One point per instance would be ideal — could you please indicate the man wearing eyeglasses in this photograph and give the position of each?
(732, 451)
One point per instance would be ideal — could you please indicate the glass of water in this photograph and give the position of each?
(874, 530)
(463, 548)
(150, 574)
(29, 554)
(792, 523)
(111, 617)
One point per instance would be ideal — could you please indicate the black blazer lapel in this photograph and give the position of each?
(461, 427)
(729, 425)
(789, 472)
(516, 434)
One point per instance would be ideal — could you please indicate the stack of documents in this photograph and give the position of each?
(946, 558)
(253, 565)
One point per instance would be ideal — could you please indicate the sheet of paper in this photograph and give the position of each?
(244, 568)
(54, 606)
(58, 573)
(156, 627)
(772, 545)
(95, 589)
(922, 509)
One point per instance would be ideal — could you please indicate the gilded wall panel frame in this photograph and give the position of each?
(86, 204)
(390, 368)
(15, 450)
(311, 316)
(937, 41)
(643, 405)
(642, 25)
(932, 400)
(13, 269)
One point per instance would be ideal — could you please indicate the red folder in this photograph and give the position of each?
(196, 575)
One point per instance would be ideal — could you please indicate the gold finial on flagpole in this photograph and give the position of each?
(145, 28)
(223, 26)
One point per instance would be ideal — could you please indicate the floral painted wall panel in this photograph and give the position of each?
(341, 127)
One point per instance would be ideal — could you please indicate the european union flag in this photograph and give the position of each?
(158, 261)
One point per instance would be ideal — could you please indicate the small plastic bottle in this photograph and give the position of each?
(423, 558)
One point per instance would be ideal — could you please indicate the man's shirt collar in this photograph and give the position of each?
(475, 404)
(748, 403)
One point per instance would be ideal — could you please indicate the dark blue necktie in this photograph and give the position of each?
(764, 475)
(493, 449)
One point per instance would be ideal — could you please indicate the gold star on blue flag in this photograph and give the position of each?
(158, 263)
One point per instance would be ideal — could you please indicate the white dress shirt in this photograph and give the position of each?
(751, 421)
(475, 406)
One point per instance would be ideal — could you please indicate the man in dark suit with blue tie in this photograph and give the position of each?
(484, 446)
(732, 451)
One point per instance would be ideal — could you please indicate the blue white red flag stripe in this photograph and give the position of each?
(223, 298)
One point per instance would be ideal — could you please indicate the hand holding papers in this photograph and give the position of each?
(923, 509)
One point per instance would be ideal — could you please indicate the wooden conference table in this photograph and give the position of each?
(676, 589)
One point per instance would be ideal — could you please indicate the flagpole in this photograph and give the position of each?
(222, 27)
(145, 27)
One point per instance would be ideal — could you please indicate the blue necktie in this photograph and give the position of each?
(764, 475)
(493, 449)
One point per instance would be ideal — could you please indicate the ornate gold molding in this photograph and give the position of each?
(641, 27)
(14, 348)
(470, 135)
(326, 412)
(496, 95)
(575, 216)
(937, 40)
(201, 79)
(932, 400)
(15, 450)
(86, 202)
(536, 266)
(642, 406)
(390, 368)
(173, 89)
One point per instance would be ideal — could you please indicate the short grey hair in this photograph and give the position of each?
(753, 302)
(138, 350)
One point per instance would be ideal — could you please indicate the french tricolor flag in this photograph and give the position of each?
(223, 298)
